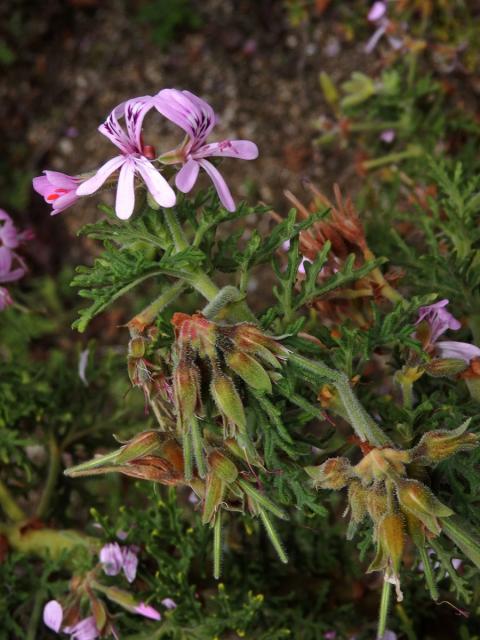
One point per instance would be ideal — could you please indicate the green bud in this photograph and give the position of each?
(417, 499)
(357, 499)
(249, 370)
(186, 385)
(228, 401)
(222, 467)
(214, 494)
(136, 347)
(144, 444)
(436, 446)
(445, 367)
(377, 502)
(391, 543)
(334, 473)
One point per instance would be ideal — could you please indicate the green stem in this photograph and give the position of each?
(176, 230)
(466, 541)
(52, 475)
(364, 426)
(148, 315)
(225, 296)
(411, 152)
(8, 504)
(35, 616)
(427, 570)
(217, 545)
(384, 606)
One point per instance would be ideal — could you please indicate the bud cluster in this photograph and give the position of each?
(398, 506)
(209, 357)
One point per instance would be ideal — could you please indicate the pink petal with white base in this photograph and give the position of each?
(95, 182)
(125, 200)
(219, 184)
(161, 191)
(53, 615)
(187, 176)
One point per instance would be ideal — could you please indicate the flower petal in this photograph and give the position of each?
(114, 132)
(61, 180)
(135, 112)
(53, 615)
(95, 182)
(147, 611)
(125, 200)
(5, 298)
(242, 149)
(187, 176)
(454, 349)
(111, 558)
(191, 113)
(219, 184)
(130, 563)
(161, 191)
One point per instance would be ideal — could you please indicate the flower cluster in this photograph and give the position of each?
(12, 265)
(85, 592)
(137, 162)
(379, 486)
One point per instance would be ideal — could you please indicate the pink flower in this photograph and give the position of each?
(114, 559)
(147, 611)
(12, 265)
(134, 160)
(58, 189)
(85, 629)
(197, 119)
(387, 136)
(169, 603)
(438, 319)
(377, 11)
(377, 15)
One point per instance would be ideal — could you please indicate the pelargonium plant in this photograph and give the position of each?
(240, 401)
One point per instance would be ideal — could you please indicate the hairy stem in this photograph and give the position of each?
(148, 315)
(176, 230)
(364, 426)
(217, 545)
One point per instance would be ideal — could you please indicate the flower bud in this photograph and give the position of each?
(250, 339)
(416, 499)
(173, 452)
(249, 370)
(377, 502)
(391, 542)
(436, 446)
(214, 494)
(144, 444)
(445, 367)
(334, 473)
(357, 499)
(250, 455)
(136, 347)
(186, 383)
(227, 400)
(222, 467)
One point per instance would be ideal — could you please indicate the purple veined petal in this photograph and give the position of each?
(175, 107)
(208, 118)
(460, 350)
(377, 11)
(219, 184)
(130, 563)
(53, 615)
(168, 603)
(161, 191)
(86, 629)
(372, 43)
(5, 298)
(187, 176)
(135, 112)
(438, 319)
(147, 611)
(95, 182)
(111, 558)
(241, 149)
(112, 130)
(125, 200)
